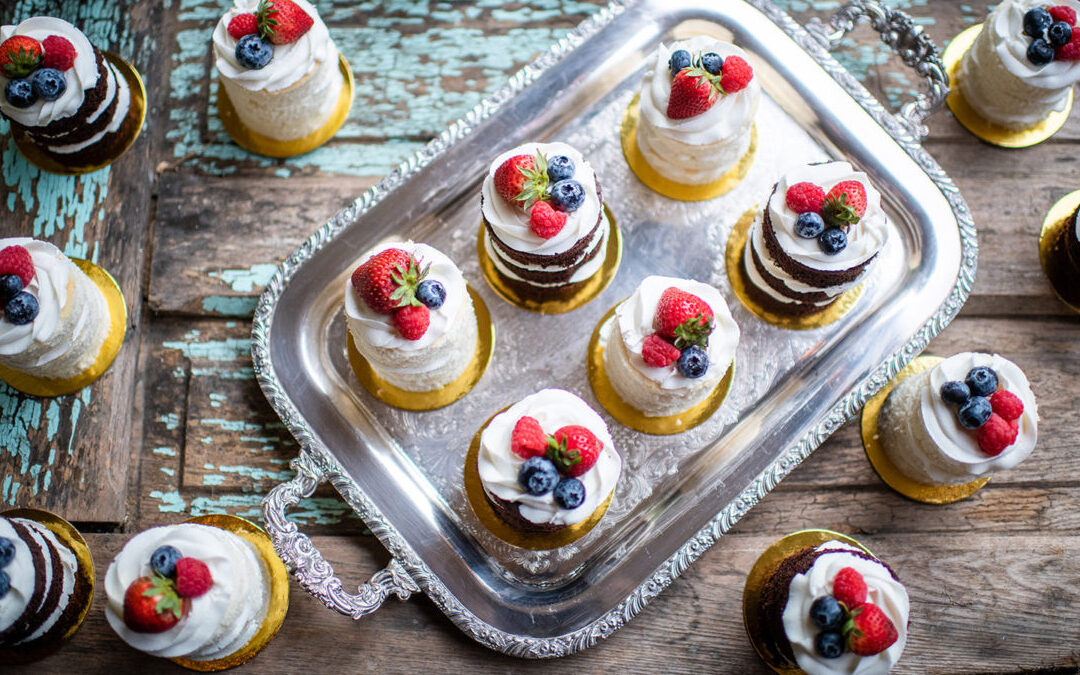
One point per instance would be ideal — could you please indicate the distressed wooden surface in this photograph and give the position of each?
(192, 226)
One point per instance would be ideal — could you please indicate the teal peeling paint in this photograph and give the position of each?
(171, 502)
(164, 451)
(229, 306)
(247, 280)
(229, 349)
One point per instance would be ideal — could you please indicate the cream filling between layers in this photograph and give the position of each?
(80, 77)
(581, 274)
(68, 565)
(22, 578)
(118, 84)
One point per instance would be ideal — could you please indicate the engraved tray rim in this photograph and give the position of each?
(315, 458)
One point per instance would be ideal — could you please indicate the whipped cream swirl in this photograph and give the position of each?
(1006, 26)
(82, 76)
(21, 576)
(52, 272)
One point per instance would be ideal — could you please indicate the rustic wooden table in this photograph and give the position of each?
(192, 226)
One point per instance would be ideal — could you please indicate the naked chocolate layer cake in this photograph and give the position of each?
(37, 579)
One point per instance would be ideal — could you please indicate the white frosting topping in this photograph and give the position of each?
(729, 116)
(1006, 26)
(220, 621)
(865, 238)
(52, 271)
(378, 329)
(511, 223)
(290, 62)
(635, 316)
(553, 409)
(21, 576)
(82, 76)
(882, 590)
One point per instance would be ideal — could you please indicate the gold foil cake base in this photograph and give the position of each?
(927, 494)
(1061, 271)
(631, 417)
(988, 131)
(114, 298)
(583, 295)
(766, 565)
(534, 541)
(278, 591)
(667, 187)
(439, 398)
(81, 595)
(735, 255)
(272, 147)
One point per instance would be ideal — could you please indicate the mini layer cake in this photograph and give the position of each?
(37, 578)
(671, 343)
(61, 92)
(545, 229)
(410, 315)
(836, 609)
(967, 418)
(191, 591)
(697, 107)
(1023, 64)
(816, 238)
(279, 67)
(55, 318)
(547, 462)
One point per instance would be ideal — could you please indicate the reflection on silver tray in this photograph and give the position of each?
(402, 471)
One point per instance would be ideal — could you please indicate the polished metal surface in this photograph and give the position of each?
(402, 471)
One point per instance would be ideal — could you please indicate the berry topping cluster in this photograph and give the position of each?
(274, 22)
(847, 622)
(16, 273)
(986, 408)
(544, 187)
(699, 79)
(35, 69)
(827, 217)
(1052, 34)
(554, 462)
(157, 602)
(7, 554)
(394, 282)
(683, 323)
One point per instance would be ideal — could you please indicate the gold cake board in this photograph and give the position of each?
(1062, 272)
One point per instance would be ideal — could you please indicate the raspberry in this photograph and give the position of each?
(1063, 13)
(59, 53)
(528, 438)
(805, 198)
(16, 260)
(737, 74)
(658, 352)
(412, 321)
(545, 221)
(243, 25)
(849, 587)
(1007, 404)
(1070, 51)
(192, 578)
(996, 435)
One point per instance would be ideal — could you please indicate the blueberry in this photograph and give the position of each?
(832, 241)
(982, 381)
(253, 52)
(693, 362)
(20, 93)
(5, 584)
(569, 493)
(7, 551)
(22, 309)
(955, 392)
(1040, 52)
(1036, 21)
(560, 167)
(10, 285)
(826, 613)
(712, 63)
(1059, 33)
(538, 476)
(567, 195)
(809, 225)
(829, 644)
(680, 58)
(974, 413)
(163, 560)
(49, 83)
(431, 293)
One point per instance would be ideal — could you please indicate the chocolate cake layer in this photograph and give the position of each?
(24, 625)
(558, 275)
(90, 128)
(800, 272)
(103, 150)
(510, 513)
(780, 287)
(92, 99)
(527, 291)
(1070, 242)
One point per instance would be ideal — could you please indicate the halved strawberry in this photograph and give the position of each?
(574, 450)
(684, 318)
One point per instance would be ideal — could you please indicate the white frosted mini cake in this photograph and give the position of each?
(37, 580)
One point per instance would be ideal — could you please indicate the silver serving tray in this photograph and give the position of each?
(402, 471)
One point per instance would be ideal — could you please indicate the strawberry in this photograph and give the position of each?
(1070, 51)
(192, 578)
(1006, 404)
(282, 22)
(242, 25)
(658, 352)
(389, 280)
(1063, 13)
(528, 438)
(805, 198)
(869, 631)
(151, 605)
(996, 435)
(412, 321)
(693, 91)
(574, 450)
(736, 74)
(16, 260)
(59, 53)
(20, 55)
(684, 318)
(849, 588)
(845, 204)
(545, 221)
(522, 179)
